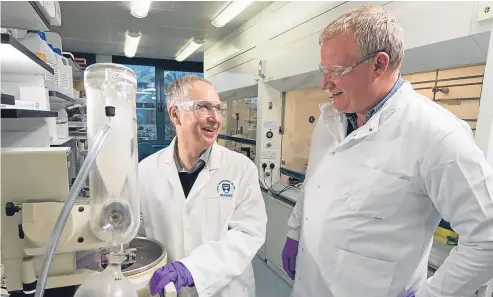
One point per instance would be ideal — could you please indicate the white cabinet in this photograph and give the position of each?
(278, 214)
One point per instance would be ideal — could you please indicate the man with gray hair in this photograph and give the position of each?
(202, 201)
(386, 164)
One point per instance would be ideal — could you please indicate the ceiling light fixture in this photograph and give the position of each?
(140, 8)
(131, 43)
(189, 49)
(230, 12)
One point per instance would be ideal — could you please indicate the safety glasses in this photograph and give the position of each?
(204, 109)
(334, 71)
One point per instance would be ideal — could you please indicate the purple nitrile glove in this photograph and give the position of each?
(289, 256)
(174, 272)
(409, 293)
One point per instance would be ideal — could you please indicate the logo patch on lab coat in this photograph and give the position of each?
(225, 189)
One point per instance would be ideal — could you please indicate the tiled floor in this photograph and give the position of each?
(267, 282)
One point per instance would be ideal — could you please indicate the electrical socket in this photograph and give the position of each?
(485, 11)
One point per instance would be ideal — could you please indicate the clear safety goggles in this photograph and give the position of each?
(334, 71)
(204, 109)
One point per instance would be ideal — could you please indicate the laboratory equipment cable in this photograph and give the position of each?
(270, 189)
(264, 166)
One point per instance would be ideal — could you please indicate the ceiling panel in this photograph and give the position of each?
(92, 32)
(207, 9)
(162, 5)
(84, 46)
(158, 33)
(83, 8)
(99, 27)
(161, 18)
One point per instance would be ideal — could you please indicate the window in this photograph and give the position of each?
(153, 78)
(169, 78)
(146, 101)
(241, 118)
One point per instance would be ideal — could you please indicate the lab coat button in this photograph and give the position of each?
(302, 249)
(306, 218)
(318, 186)
(333, 153)
(299, 278)
(371, 129)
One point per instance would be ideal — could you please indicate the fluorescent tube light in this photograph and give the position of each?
(131, 43)
(140, 8)
(230, 12)
(187, 51)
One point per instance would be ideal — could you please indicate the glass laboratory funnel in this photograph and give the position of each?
(111, 91)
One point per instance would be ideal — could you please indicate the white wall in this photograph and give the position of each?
(285, 35)
(484, 131)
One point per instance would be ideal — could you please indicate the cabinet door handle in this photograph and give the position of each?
(444, 90)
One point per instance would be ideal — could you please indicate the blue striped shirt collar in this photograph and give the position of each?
(352, 117)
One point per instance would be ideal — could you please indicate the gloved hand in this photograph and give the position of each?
(289, 256)
(174, 272)
(409, 293)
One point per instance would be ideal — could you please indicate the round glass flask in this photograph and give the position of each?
(109, 283)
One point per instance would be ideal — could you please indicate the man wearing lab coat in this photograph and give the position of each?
(202, 201)
(386, 164)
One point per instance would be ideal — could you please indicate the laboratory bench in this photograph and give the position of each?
(279, 202)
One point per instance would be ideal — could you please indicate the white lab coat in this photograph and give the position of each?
(214, 232)
(373, 200)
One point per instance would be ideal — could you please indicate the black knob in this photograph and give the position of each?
(11, 209)
(110, 111)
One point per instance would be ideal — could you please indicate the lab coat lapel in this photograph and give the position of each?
(376, 121)
(169, 171)
(334, 121)
(205, 175)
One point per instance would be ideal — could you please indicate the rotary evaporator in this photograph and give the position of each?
(111, 219)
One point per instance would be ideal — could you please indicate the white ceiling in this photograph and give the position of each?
(99, 26)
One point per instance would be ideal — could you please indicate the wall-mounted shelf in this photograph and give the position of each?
(61, 141)
(78, 73)
(74, 124)
(57, 97)
(12, 113)
(17, 59)
(23, 15)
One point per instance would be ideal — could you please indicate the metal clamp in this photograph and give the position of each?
(130, 257)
